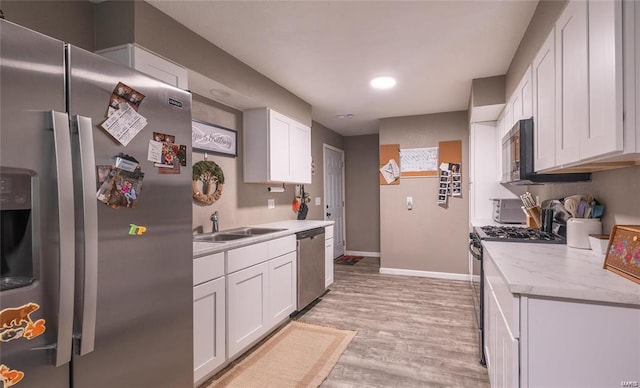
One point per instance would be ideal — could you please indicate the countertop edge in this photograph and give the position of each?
(578, 275)
(292, 226)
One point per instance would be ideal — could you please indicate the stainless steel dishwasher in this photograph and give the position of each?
(310, 266)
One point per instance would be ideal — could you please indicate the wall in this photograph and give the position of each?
(429, 237)
(544, 17)
(159, 33)
(320, 135)
(362, 198)
(245, 204)
(616, 189)
(53, 18)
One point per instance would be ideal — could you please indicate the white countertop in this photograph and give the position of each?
(552, 270)
(291, 226)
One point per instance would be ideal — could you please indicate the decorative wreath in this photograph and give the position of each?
(210, 174)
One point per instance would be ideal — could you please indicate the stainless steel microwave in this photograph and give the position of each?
(518, 157)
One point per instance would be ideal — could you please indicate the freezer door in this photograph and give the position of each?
(139, 288)
(36, 211)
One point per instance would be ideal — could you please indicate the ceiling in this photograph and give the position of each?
(326, 52)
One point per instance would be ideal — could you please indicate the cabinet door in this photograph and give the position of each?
(543, 75)
(572, 79)
(300, 140)
(500, 124)
(489, 336)
(160, 68)
(279, 147)
(575, 344)
(282, 287)
(208, 328)
(328, 262)
(247, 296)
(506, 363)
(526, 93)
(605, 133)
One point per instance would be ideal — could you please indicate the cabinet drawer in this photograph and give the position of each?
(328, 232)
(208, 268)
(245, 257)
(280, 246)
(508, 303)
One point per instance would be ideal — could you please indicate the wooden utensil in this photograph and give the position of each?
(571, 204)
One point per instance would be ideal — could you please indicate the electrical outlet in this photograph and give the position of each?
(409, 203)
(271, 203)
(318, 201)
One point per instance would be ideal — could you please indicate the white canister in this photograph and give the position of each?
(579, 229)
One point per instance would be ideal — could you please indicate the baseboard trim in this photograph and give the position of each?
(362, 253)
(424, 274)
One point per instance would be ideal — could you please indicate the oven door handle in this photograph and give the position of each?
(474, 252)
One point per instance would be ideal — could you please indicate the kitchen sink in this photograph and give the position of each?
(219, 237)
(253, 231)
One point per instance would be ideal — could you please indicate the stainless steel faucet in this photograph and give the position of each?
(214, 218)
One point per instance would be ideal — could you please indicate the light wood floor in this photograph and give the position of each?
(412, 332)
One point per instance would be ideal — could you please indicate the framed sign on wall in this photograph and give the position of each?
(209, 137)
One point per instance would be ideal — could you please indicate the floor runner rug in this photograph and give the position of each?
(299, 355)
(348, 260)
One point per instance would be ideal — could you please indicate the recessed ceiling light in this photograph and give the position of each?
(383, 82)
(346, 116)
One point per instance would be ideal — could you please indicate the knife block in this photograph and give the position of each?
(533, 217)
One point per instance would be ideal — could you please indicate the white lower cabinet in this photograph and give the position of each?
(501, 321)
(208, 328)
(548, 342)
(282, 287)
(261, 293)
(247, 296)
(328, 256)
(209, 316)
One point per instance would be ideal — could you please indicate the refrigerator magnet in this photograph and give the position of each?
(10, 377)
(124, 94)
(121, 188)
(16, 323)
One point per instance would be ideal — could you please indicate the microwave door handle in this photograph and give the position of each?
(62, 143)
(84, 126)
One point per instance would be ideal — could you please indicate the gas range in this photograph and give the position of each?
(517, 234)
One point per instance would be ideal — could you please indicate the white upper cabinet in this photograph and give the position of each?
(544, 105)
(144, 61)
(276, 148)
(522, 99)
(605, 133)
(572, 92)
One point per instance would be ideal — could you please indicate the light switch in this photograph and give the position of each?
(271, 203)
(318, 201)
(409, 203)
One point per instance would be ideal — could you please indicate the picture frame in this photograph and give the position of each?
(623, 252)
(207, 137)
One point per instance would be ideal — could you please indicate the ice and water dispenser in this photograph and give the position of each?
(16, 236)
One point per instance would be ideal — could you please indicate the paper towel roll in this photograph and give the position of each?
(579, 229)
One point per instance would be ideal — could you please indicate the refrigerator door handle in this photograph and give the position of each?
(62, 141)
(90, 216)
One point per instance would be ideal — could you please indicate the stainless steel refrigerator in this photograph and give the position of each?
(96, 291)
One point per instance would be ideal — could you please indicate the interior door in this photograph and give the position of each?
(334, 194)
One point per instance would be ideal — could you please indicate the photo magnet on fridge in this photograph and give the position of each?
(124, 94)
(120, 188)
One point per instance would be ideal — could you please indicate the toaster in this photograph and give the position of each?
(508, 211)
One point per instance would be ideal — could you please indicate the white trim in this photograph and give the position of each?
(424, 274)
(362, 253)
(326, 146)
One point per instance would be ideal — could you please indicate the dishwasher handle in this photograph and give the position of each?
(311, 233)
